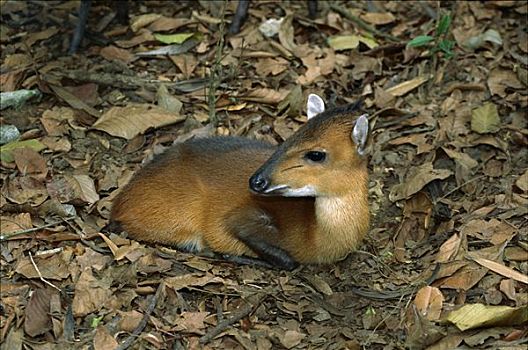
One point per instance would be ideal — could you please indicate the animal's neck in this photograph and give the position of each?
(342, 221)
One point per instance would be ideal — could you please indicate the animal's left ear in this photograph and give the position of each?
(360, 133)
(314, 106)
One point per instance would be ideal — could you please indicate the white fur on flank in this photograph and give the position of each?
(305, 191)
(192, 245)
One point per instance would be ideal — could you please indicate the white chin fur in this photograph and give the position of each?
(306, 191)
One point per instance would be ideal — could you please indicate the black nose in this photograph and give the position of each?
(258, 183)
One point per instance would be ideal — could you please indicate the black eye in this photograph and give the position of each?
(315, 156)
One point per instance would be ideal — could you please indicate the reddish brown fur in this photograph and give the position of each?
(189, 194)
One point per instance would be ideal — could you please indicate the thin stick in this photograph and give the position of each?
(223, 325)
(40, 275)
(459, 187)
(361, 24)
(29, 230)
(143, 323)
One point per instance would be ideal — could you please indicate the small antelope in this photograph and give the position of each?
(306, 202)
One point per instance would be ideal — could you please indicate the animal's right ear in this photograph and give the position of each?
(314, 106)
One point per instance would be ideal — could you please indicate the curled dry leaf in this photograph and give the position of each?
(502, 270)
(522, 182)
(321, 285)
(416, 179)
(407, 86)
(461, 158)
(449, 249)
(472, 316)
(143, 20)
(73, 188)
(132, 120)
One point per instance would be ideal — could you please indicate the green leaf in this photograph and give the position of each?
(443, 26)
(485, 119)
(447, 47)
(178, 38)
(420, 40)
(6, 151)
(96, 321)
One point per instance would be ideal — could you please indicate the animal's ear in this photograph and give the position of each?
(360, 133)
(314, 106)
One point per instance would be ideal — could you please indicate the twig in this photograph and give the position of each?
(29, 230)
(150, 308)
(459, 187)
(40, 275)
(215, 72)
(362, 24)
(223, 325)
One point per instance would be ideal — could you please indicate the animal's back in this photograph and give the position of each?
(185, 192)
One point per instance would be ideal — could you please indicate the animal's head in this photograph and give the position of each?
(323, 158)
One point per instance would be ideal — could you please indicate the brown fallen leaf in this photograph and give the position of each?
(522, 181)
(25, 189)
(321, 285)
(32, 38)
(54, 267)
(74, 101)
(461, 158)
(38, 320)
(113, 53)
(449, 249)
(90, 293)
(265, 95)
(502, 270)
(129, 320)
(507, 286)
(429, 301)
(143, 21)
(291, 338)
(135, 119)
(192, 322)
(103, 340)
(73, 188)
(407, 86)
(466, 277)
(29, 161)
(416, 179)
(501, 79)
(378, 18)
(191, 280)
(472, 316)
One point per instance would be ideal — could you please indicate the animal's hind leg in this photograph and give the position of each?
(256, 230)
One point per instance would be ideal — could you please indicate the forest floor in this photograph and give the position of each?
(446, 258)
